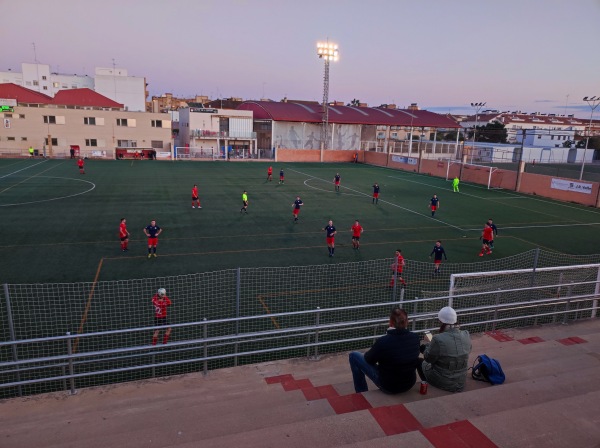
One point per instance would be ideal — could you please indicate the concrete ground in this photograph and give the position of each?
(551, 398)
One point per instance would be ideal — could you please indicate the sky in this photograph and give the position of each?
(528, 55)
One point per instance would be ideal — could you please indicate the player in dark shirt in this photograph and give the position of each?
(435, 204)
(330, 231)
(336, 181)
(375, 193)
(437, 252)
(152, 231)
(281, 177)
(297, 204)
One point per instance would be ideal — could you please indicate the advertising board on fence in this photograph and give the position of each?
(409, 160)
(567, 185)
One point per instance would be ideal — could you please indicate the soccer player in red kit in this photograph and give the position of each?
(487, 236)
(161, 302)
(195, 199)
(124, 235)
(80, 163)
(356, 230)
(397, 266)
(270, 173)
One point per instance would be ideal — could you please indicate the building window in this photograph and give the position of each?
(21, 115)
(8, 115)
(539, 136)
(10, 139)
(551, 137)
(36, 83)
(45, 87)
(44, 77)
(54, 141)
(50, 119)
(91, 142)
(157, 123)
(127, 143)
(27, 83)
(23, 139)
(73, 86)
(89, 120)
(55, 84)
(121, 121)
(156, 144)
(64, 86)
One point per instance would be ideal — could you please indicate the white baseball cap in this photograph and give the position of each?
(447, 315)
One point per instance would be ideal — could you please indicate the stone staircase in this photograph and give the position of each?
(551, 398)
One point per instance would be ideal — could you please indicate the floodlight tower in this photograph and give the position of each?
(328, 52)
(593, 102)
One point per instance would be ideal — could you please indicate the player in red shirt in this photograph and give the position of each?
(397, 266)
(161, 302)
(195, 199)
(124, 235)
(356, 230)
(487, 238)
(270, 173)
(80, 165)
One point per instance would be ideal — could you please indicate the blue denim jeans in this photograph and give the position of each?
(360, 368)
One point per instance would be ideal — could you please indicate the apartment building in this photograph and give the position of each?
(99, 126)
(114, 83)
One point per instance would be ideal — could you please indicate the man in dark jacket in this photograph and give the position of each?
(391, 361)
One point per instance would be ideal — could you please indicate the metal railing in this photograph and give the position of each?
(231, 342)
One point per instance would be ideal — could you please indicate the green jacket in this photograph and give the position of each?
(447, 359)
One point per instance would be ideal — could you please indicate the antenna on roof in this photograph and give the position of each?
(34, 53)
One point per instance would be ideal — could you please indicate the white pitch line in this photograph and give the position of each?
(386, 202)
(57, 198)
(547, 226)
(26, 168)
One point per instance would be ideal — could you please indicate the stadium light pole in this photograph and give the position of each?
(478, 107)
(328, 52)
(593, 102)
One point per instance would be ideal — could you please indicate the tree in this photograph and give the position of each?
(494, 132)
(355, 102)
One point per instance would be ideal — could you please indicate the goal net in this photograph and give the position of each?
(473, 173)
(198, 153)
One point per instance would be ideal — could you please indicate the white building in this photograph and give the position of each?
(113, 83)
(212, 133)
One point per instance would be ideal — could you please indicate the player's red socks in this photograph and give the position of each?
(154, 340)
(165, 338)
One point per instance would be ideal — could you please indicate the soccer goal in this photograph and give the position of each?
(470, 172)
(198, 153)
(579, 283)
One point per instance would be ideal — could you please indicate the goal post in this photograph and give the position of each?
(471, 172)
(518, 285)
(198, 153)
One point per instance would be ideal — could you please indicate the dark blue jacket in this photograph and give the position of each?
(396, 354)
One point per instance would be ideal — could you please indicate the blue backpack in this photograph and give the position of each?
(487, 369)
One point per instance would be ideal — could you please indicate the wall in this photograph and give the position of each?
(538, 184)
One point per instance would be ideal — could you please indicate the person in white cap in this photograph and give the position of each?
(446, 357)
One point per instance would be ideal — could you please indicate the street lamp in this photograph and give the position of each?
(478, 107)
(593, 102)
(328, 52)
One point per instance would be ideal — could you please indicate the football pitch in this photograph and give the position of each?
(60, 226)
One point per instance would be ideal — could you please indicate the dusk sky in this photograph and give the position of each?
(528, 55)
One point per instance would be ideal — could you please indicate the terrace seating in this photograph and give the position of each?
(551, 398)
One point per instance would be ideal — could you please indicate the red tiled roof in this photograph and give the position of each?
(312, 113)
(13, 91)
(73, 97)
(83, 97)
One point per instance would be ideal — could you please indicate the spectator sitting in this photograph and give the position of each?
(447, 356)
(391, 361)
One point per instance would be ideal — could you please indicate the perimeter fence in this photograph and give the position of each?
(66, 336)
